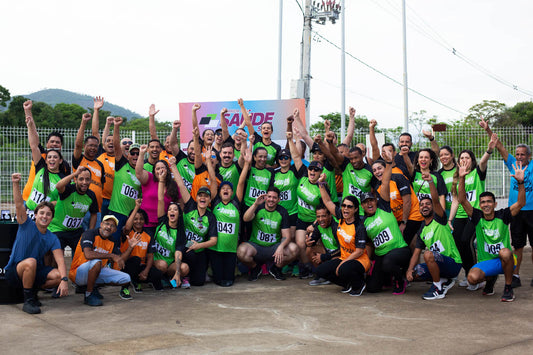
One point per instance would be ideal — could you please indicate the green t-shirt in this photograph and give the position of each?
(474, 186)
(355, 181)
(287, 183)
(272, 149)
(437, 236)
(492, 236)
(267, 226)
(198, 228)
(126, 188)
(447, 176)
(328, 237)
(148, 167)
(308, 199)
(186, 169)
(37, 194)
(71, 208)
(231, 174)
(228, 224)
(382, 229)
(329, 171)
(257, 183)
(165, 243)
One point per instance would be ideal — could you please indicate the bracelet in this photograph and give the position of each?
(388, 162)
(520, 183)
(432, 138)
(490, 152)
(321, 184)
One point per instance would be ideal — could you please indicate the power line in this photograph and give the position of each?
(388, 76)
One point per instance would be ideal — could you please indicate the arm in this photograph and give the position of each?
(178, 255)
(108, 122)
(78, 144)
(324, 194)
(62, 184)
(174, 144)
(406, 210)
(351, 127)
(519, 173)
(95, 126)
(33, 136)
(295, 153)
(414, 261)
(486, 156)
(385, 181)
(241, 185)
(463, 171)
(435, 198)
(161, 195)
(373, 140)
(198, 161)
(434, 145)
(246, 117)
(501, 149)
(140, 173)
(224, 124)
(185, 195)
(129, 223)
(20, 210)
(213, 185)
(61, 266)
(250, 212)
(404, 153)
(151, 121)
(453, 211)
(298, 125)
(336, 157)
(117, 121)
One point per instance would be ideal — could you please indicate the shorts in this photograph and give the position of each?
(302, 225)
(521, 229)
(264, 254)
(492, 267)
(447, 266)
(293, 218)
(41, 275)
(106, 276)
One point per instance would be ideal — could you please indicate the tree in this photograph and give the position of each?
(361, 123)
(69, 114)
(141, 124)
(5, 96)
(522, 113)
(493, 111)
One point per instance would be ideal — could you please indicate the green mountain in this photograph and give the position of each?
(56, 96)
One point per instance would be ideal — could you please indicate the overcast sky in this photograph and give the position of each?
(135, 53)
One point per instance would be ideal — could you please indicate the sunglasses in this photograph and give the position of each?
(134, 153)
(218, 133)
(314, 169)
(347, 206)
(127, 143)
(284, 157)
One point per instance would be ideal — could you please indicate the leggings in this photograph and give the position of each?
(197, 265)
(133, 267)
(464, 232)
(352, 272)
(394, 264)
(222, 265)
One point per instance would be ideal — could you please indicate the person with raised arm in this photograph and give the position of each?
(184, 162)
(47, 168)
(26, 268)
(492, 230)
(228, 169)
(208, 135)
(126, 187)
(442, 259)
(206, 174)
(199, 223)
(426, 162)
(447, 171)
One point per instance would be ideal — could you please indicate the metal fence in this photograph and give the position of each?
(15, 153)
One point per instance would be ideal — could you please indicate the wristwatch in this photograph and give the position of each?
(64, 279)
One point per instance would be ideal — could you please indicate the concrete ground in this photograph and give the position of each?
(271, 316)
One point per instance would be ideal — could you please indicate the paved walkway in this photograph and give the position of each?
(271, 316)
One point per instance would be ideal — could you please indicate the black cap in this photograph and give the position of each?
(315, 148)
(366, 196)
(284, 152)
(316, 164)
(204, 190)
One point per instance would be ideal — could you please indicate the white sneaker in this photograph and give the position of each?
(463, 283)
(476, 286)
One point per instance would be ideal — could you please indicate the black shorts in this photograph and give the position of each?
(41, 274)
(264, 254)
(293, 218)
(521, 229)
(302, 225)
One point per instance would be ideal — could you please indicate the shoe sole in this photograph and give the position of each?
(433, 297)
(448, 287)
(359, 293)
(508, 300)
(275, 277)
(347, 290)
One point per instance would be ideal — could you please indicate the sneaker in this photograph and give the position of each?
(399, 287)
(276, 273)
(165, 282)
(489, 286)
(125, 293)
(463, 283)
(305, 273)
(255, 273)
(357, 292)
(516, 282)
(446, 286)
(30, 307)
(137, 288)
(81, 289)
(346, 289)
(185, 283)
(97, 293)
(286, 270)
(295, 271)
(264, 270)
(92, 300)
(318, 282)
(508, 294)
(476, 286)
(434, 293)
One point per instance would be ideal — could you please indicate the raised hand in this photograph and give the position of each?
(427, 133)
(86, 117)
(142, 149)
(387, 155)
(240, 102)
(464, 169)
(133, 241)
(176, 124)
(404, 150)
(427, 177)
(351, 110)
(519, 172)
(252, 139)
(322, 178)
(327, 125)
(484, 124)
(110, 120)
(260, 199)
(296, 113)
(172, 161)
(16, 177)
(223, 112)
(162, 175)
(138, 202)
(196, 107)
(330, 136)
(290, 119)
(28, 104)
(372, 123)
(98, 103)
(152, 111)
(118, 121)
(318, 138)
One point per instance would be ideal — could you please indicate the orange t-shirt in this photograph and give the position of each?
(140, 249)
(90, 239)
(350, 237)
(97, 175)
(164, 155)
(201, 179)
(109, 171)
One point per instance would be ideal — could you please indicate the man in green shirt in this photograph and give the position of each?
(492, 231)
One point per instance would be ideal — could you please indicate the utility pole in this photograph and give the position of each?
(343, 74)
(280, 38)
(405, 87)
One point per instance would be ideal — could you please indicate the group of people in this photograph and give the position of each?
(153, 213)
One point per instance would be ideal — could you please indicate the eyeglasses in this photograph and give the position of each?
(284, 157)
(134, 153)
(314, 169)
(347, 206)
(127, 143)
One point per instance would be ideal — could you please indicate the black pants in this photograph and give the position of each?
(133, 267)
(394, 264)
(352, 272)
(222, 265)
(197, 265)
(464, 232)
(411, 228)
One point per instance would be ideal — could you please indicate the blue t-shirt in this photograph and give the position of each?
(30, 243)
(528, 184)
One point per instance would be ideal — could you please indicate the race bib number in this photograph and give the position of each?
(187, 184)
(437, 247)
(305, 205)
(193, 236)
(129, 191)
(383, 237)
(72, 222)
(227, 228)
(161, 250)
(255, 193)
(266, 237)
(493, 249)
(285, 195)
(355, 191)
(38, 197)
(471, 195)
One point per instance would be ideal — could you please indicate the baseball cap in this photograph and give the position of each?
(204, 190)
(111, 217)
(315, 148)
(284, 152)
(135, 146)
(366, 196)
(315, 164)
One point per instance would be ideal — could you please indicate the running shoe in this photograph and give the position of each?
(276, 273)
(463, 283)
(30, 307)
(97, 293)
(286, 269)
(295, 271)
(125, 293)
(508, 294)
(516, 282)
(254, 273)
(476, 286)
(489, 286)
(446, 286)
(357, 292)
(92, 300)
(434, 293)
(137, 288)
(318, 282)
(399, 287)
(305, 273)
(346, 289)
(185, 283)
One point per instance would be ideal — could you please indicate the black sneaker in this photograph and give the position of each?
(358, 291)
(276, 273)
(305, 273)
(446, 286)
(346, 289)
(92, 300)
(97, 293)
(30, 307)
(489, 286)
(516, 282)
(125, 293)
(254, 273)
(508, 294)
(137, 288)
